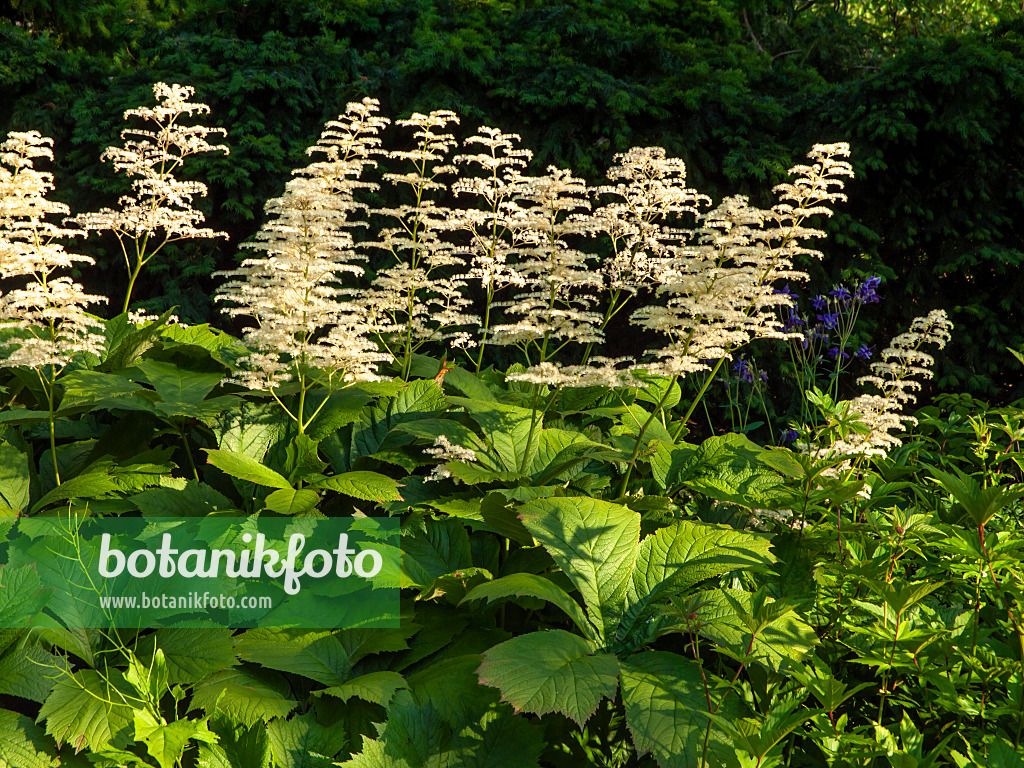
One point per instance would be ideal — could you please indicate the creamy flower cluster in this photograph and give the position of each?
(307, 318)
(892, 377)
(48, 312)
(160, 209)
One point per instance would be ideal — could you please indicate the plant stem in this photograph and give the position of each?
(640, 435)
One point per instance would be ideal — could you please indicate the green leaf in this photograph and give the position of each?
(24, 744)
(376, 687)
(342, 408)
(785, 639)
(126, 343)
(730, 468)
(442, 548)
(194, 500)
(689, 552)
(191, 654)
(249, 429)
(92, 484)
(594, 543)
(27, 672)
(506, 429)
(499, 738)
(373, 432)
(14, 478)
(245, 468)
(666, 709)
(85, 710)
(532, 585)
(553, 671)
(361, 484)
(683, 554)
(237, 746)
(177, 385)
(289, 501)
(166, 742)
(21, 595)
(247, 697)
(301, 742)
(317, 655)
(981, 504)
(96, 390)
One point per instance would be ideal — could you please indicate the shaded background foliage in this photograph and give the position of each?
(930, 95)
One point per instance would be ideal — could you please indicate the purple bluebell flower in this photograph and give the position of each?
(787, 291)
(864, 352)
(764, 376)
(867, 292)
(742, 371)
(841, 293)
(835, 352)
(789, 435)
(819, 303)
(829, 319)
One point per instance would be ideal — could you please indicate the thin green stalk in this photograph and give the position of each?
(640, 436)
(698, 398)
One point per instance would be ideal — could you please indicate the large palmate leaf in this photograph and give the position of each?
(27, 672)
(683, 554)
(166, 742)
(442, 548)
(561, 455)
(94, 389)
(195, 499)
(342, 408)
(446, 718)
(237, 745)
(14, 478)
(178, 385)
(21, 595)
(77, 711)
(249, 429)
(594, 543)
(245, 696)
(554, 671)
(125, 343)
(666, 710)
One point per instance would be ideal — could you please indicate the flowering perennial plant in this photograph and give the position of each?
(160, 209)
(892, 376)
(420, 297)
(49, 310)
(590, 587)
(310, 329)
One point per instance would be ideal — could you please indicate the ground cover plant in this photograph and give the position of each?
(606, 562)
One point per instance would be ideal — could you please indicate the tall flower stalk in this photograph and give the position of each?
(160, 209)
(419, 298)
(47, 315)
(491, 241)
(311, 330)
